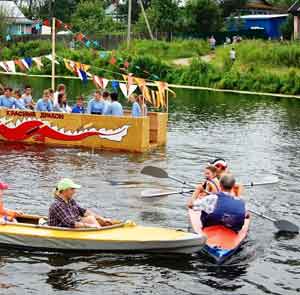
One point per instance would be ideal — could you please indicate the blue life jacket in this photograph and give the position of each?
(229, 211)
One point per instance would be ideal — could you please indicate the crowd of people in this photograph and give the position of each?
(102, 103)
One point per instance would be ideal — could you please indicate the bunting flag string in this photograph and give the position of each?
(158, 98)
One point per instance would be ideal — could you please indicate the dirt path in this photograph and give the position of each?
(187, 61)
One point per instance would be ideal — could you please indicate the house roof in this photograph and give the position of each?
(262, 16)
(13, 13)
(295, 8)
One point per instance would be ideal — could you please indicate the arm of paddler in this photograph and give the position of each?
(196, 194)
(102, 221)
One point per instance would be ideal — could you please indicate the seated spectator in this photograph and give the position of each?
(62, 106)
(44, 104)
(136, 110)
(27, 97)
(115, 108)
(79, 107)
(96, 104)
(19, 101)
(7, 100)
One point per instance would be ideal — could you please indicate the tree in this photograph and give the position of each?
(136, 9)
(203, 16)
(230, 7)
(163, 16)
(89, 17)
(3, 23)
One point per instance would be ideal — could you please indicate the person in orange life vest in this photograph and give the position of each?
(222, 169)
(210, 185)
(6, 215)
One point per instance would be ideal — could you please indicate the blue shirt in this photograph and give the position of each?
(7, 102)
(114, 109)
(27, 99)
(106, 106)
(20, 104)
(78, 110)
(95, 107)
(44, 105)
(136, 110)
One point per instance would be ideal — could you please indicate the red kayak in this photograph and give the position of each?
(222, 242)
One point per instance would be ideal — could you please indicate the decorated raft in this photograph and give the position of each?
(29, 235)
(88, 131)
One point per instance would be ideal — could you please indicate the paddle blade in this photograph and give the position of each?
(154, 172)
(152, 193)
(286, 226)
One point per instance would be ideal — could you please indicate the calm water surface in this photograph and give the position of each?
(260, 138)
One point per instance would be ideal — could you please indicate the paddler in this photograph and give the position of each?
(65, 212)
(222, 208)
(210, 185)
(6, 215)
(222, 169)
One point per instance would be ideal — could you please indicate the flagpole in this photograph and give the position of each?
(129, 23)
(53, 55)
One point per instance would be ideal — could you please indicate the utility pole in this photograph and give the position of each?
(146, 19)
(129, 23)
(51, 6)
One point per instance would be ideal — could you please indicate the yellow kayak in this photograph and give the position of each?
(28, 234)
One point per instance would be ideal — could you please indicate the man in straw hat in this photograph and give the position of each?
(65, 212)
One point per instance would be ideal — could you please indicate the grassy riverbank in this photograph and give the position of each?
(261, 66)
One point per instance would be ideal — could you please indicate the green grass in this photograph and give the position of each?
(168, 50)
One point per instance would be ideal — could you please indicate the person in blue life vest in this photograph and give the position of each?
(79, 107)
(96, 104)
(7, 100)
(222, 208)
(115, 108)
(44, 104)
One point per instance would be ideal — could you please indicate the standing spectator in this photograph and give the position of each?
(96, 104)
(212, 43)
(44, 104)
(232, 55)
(19, 101)
(115, 108)
(27, 97)
(61, 89)
(7, 100)
(136, 110)
(62, 105)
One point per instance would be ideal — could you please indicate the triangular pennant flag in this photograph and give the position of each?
(20, 64)
(115, 84)
(29, 61)
(79, 37)
(82, 75)
(11, 66)
(100, 82)
(131, 89)
(68, 65)
(153, 96)
(49, 56)
(38, 62)
(4, 66)
(124, 89)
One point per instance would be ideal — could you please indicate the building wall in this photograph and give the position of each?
(19, 29)
(271, 26)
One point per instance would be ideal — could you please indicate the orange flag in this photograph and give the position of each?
(19, 63)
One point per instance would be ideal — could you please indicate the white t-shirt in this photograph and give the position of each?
(232, 54)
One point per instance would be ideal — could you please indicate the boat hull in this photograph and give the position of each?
(221, 242)
(120, 238)
(124, 133)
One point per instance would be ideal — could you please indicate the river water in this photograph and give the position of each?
(260, 139)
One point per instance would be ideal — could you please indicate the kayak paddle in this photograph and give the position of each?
(150, 193)
(161, 173)
(282, 225)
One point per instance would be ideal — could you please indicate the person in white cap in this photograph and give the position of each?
(65, 212)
